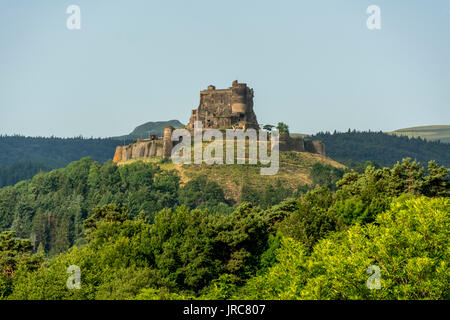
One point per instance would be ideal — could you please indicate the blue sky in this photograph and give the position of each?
(313, 64)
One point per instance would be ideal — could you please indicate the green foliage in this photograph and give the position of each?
(181, 242)
(362, 196)
(384, 149)
(201, 193)
(282, 127)
(16, 172)
(222, 288)
(14, 254)
(408, 242)
(109, 213)
(52, 152)
(326, 175)
(311, 220)
(52, 206)
(241, 239)
(269, 196)
(138, 235)
(125, 284)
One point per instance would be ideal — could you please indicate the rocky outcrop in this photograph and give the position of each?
(118, 154)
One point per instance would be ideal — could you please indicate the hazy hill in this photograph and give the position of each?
(22, 157)
(150, 128)
(54, 152)
(431, 133)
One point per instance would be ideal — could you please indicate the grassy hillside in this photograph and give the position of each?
(431, 133)
(150, 128)
(295, 170)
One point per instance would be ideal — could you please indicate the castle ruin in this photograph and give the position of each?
(225, 108)
(219, 109)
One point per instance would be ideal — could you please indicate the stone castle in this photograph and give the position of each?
(224, 108)
(219, 109)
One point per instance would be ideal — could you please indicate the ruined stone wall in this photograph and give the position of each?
(288, 143)
(141, 149)
(218, 108)
(163, 147)
(315, 146)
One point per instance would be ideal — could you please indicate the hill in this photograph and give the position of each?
(432, 133)
(22, 157)
(64, 198)
(54, 152)
(385, 149)
(150, 128)
(295, 172)
(10, 175)
(42, 154)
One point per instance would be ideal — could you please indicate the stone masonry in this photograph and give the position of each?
(219, 109)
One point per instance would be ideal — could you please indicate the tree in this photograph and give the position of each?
(201, 192)
(112, 213)
(14, 253)
(436, 183)
(311, 219)
(408, 243)
(282, 127)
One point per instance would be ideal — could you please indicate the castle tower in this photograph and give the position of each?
(239, 98)
(167, 142)
(224, 108)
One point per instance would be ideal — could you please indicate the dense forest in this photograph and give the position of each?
(135, 233)
(355, 147)
(23, 157)
(50, 208)
(54, 152)
(19, 171)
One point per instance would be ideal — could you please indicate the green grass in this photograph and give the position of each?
(432, 133)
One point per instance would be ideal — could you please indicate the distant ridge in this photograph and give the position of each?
(150, 128)
(384, 149)
(431, 133)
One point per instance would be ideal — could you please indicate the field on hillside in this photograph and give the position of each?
(432, 133)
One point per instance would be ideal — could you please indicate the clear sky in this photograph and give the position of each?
(313, 64)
